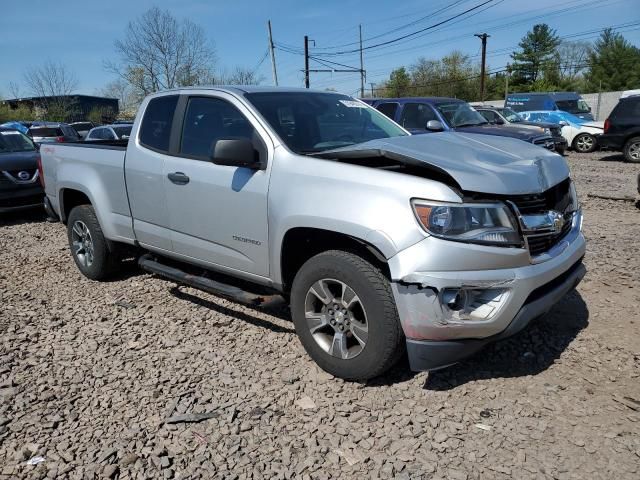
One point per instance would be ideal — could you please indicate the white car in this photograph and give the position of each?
(581, 135)
(109, 132)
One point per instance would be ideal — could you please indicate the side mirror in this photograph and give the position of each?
(236, 152)
(435, 126)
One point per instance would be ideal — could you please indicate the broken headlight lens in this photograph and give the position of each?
(488, 224)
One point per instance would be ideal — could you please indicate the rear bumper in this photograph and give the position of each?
(611, 141)
(434, 354)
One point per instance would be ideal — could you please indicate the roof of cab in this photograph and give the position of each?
(240, 89)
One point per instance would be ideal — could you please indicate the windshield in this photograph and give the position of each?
(310, 122)
(573, 106)
(460, 114)
(14, 141)
(511, 116)
(45, 132)
(124, 131)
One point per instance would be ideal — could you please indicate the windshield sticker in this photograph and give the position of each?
(352, 104)
(10, 132)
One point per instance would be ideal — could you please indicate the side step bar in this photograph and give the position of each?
(148, 263)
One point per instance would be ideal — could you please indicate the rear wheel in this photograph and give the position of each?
(345, 315)
(89, 248)
(632, 150)
(585, 143)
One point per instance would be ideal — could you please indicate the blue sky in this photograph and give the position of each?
(81, 34)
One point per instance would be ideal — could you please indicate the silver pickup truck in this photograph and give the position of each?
(383, 242)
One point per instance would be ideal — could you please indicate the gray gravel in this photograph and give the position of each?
(137, 378)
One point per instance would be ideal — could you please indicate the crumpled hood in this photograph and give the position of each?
(478, 163)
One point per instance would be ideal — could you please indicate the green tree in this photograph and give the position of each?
(537, 51)
(614, 63)
(453, 75)
(399, 84)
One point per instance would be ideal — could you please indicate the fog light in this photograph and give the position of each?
(472, 304)
(454, 299)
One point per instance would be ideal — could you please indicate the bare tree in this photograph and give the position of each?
(50, 79)
(238, 76)
(54, 82)
(121, 90)
(159, 52)
(15, 90)
(572, 58)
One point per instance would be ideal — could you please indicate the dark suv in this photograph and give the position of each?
(622, 129)
(19, 185)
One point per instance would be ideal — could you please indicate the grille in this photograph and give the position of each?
(555, 131)
(544, 142)
(557, 198)
(541, 243)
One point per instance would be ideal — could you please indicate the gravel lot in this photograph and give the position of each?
(90, 372)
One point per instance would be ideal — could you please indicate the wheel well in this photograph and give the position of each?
(70, 199)
(300, 244)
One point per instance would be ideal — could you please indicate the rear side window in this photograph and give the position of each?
(389, 109)
(489, 115)
(155, 131)
(627, 108)
(416, 115)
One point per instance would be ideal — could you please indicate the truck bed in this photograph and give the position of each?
(97, 170)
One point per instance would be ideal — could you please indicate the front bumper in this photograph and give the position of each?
(560, 144)
(20, 198)
(438, 337)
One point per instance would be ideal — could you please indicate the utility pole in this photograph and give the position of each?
(506, 82)
(483, 37)
(361, 66)
(306, 61)
(273, 55)
(372, 84)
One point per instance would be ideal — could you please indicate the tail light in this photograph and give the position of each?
(40, 172)
(607, 124)
(59, 139)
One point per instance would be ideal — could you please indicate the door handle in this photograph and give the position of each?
(178, 178)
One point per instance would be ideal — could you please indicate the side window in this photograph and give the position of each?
(389, 109)
(488, 115)
(208, 120)
(155, 130)
(95, 134)
(416, 115)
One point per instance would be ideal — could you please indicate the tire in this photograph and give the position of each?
(632, 150)
(585, 143)
(89, 249)
(372, 339)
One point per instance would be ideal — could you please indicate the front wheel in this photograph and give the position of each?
(585, 143)
(89, 248)
(345, 316)
(632, 151)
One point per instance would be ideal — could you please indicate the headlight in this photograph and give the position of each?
(575, 204)
(489, 223)
(547, 131)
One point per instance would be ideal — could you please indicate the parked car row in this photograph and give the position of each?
(436, 114)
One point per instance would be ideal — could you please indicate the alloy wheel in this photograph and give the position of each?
(82, 243)
(336, 318)
(584, 143)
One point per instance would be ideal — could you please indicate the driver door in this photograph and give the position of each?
(218, 214)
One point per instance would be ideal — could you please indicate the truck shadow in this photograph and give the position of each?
(35, 215)
(528, 353)
(280, 311)
(612, 157)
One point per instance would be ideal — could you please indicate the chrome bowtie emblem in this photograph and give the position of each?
(557, 220)
(24, 175)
